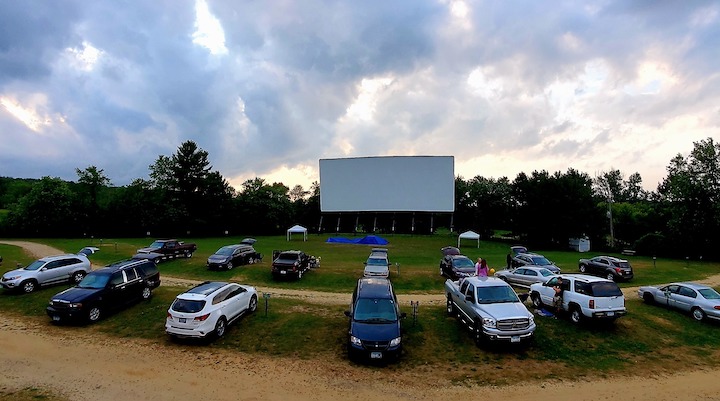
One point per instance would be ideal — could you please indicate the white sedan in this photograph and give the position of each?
(700, 300)
(208, 309)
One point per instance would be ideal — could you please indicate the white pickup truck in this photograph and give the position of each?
(490, 308)
(583, 297)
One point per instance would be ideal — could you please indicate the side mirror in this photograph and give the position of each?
(347, 313)
(43, 269)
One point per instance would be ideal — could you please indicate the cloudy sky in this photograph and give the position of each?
(270, 87)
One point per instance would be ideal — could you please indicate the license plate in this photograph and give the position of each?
(376, 355)
(611, 313)
(515, 339)
(56, 318)
(283, 272)
(183, 320)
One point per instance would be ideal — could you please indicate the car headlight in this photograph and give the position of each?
(395, 342)
(532, 320)
(489, 322)
(355, 341)
(12, 278)
(76, 305)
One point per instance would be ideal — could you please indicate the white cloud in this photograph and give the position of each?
(209, 32)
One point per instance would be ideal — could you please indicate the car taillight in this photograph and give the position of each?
(618, 270)
(202, 318)
(716, 307)
(592, 304)
(169, 316)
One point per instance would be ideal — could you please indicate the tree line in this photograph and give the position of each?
(184, 196)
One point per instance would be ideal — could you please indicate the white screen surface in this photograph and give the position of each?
(388, 184)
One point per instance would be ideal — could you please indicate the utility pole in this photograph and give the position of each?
(609, 215)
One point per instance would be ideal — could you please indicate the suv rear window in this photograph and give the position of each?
(187, 306)
(605, 289)
(148, 269)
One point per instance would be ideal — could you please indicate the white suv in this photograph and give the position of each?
(48, 271)
(208, 308)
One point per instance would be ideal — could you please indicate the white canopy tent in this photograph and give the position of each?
(472, 235)
(295, 230)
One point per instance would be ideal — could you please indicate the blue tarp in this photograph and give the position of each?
(366, 240)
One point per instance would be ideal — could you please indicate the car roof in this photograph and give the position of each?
(585, 277)
(486, 281)
(450, 250)
(113, 267)
(207, 288)
(374, 287)
(56, 257)
(695, 286)
(612, 258)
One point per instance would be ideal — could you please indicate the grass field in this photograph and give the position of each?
(649, 338)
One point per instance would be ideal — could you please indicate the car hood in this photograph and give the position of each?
(215, 258)
(19, 272)
(506, 310)
(76, 294)
(464, 269)
(375, 331)
(148, 250)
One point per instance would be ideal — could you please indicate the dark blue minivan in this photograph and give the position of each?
(374, 321)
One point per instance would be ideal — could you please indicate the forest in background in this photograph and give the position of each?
(185, 197)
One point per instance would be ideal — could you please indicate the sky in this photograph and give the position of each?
(269, 87)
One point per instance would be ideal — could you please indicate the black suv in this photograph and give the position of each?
(109, 288)
(374, 321)
(289, 264)
(455, 265)
(230, 256)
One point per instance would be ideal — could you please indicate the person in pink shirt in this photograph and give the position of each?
(481, 268)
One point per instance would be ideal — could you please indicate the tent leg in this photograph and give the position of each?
(320, 225)
(375, 224)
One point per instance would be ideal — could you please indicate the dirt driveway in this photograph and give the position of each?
(86, 365)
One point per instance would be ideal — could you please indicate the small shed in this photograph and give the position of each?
(471, 235)
(297, 229)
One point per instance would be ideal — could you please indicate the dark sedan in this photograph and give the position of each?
(610, 267)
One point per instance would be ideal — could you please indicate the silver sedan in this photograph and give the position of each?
(526, 275)
(700, 300)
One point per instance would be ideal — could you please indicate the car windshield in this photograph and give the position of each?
(34, 265)
(187, 305)
(709, 293)
(156, 244)
(605, 289)
(540, 261)
(375, 310)
(496, 294)
(546, 272)
(95, 280)
(463, 262)
(377, 262)
(225, 251)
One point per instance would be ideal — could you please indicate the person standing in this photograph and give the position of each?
(481, 268)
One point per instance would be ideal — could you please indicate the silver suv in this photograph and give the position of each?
(48, 271)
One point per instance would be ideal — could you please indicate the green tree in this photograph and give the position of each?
(49, 209)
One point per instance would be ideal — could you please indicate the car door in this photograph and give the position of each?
(468, 300)
(547, 292)
(236, 301)
(51, 272)
(531, 276)
(115, 291)
(685, 298)
(133, 283)
(671, 295)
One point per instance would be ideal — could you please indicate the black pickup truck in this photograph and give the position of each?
(289, 264)
(164, 249)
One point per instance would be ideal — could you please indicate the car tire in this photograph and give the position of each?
(536, 300)
(230, 265)
(648, 298)
(146, 293)
(576, 315)
(610, 277)
(77, 277)
(28, 286)
(450, 307)
(220, 327)
(698, 314)
(583, 269)
(251, 260)
(94, 314)
(188, 255)
(157, 260)
(253, 304)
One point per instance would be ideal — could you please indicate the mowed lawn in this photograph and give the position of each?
(649, 339)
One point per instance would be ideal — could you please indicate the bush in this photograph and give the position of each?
(651, 244)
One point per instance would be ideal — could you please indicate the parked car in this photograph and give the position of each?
(375, 330)
(230, 256)
(583, 296)
(164, 249)
(107, 289)
(289, 264)
(514, 251)
(209, 308)
(490, 308)
(525, 276)
(61, 269)
(700, 300)
(454, 264)
(610, 267)
(533, 259)
(377, 265)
